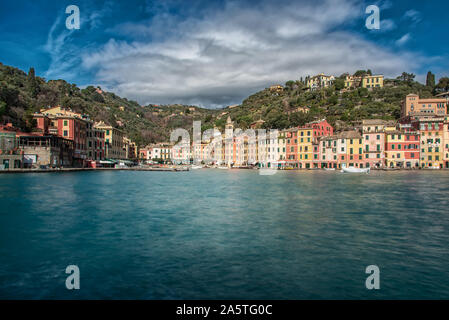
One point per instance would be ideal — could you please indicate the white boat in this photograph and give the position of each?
(195, 167)
(329, 169)
(355, 170)
(223, 168)
(267, 171)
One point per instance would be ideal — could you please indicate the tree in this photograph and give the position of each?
(443, 84)
(290, 84)
(360, 73)
(407, 77)
(3, 108)
(32, 83)
(430, 80)
(339, 84)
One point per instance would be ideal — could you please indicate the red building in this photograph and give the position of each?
(68, 125)
(291, 145)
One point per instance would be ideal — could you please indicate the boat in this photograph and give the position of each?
(267, 171)
(355, 170)
(222, 168)
(195, 167)
(329, 169)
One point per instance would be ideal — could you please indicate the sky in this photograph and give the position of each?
(215, 53)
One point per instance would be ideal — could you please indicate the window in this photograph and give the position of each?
(65, 122)
(66, 133)
(378, 137)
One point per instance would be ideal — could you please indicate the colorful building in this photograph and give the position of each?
(432, 144)
(114, 141)
(376, 81)
(415, 107)
(319, 81)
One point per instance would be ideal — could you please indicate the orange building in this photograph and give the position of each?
(414, 106)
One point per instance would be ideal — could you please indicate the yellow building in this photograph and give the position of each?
(319, 81)
(114, 141)
(352, 81)
(366, 81)
(376, 81)
(432, 143)
(354, 149)
(305, 147)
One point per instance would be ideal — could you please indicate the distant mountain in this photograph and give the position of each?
(22, 94)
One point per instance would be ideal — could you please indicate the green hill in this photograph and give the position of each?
(22, 94)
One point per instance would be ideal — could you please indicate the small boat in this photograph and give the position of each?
(267, 171)
(195, 167)
(329, 169)
(355, 170)
(223, 168)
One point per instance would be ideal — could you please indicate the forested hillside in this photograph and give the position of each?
(22, 94)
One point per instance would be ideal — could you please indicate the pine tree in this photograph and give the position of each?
(430, 80)
(33, 87)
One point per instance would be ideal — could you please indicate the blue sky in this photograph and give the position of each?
(216, 53)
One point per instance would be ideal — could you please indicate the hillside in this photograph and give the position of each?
(22, 94)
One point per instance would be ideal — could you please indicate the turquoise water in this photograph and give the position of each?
(218, 234)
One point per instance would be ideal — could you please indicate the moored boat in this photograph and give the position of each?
(355, 170)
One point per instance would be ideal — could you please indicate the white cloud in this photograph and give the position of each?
(220, 57)
(403, 40)
(387, 25)
(412, 15)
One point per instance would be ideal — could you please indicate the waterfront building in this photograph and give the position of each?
(11, 156)
(373, 131)
(411, 145)
(431, 130)
(394, 149)
(130, 148)
(350, 153)
(328, 152)
(114, 141)
(50, 150)
(416, 107)
(291, 136)
(282, 148)
(446, 141)
(308, 142)
(67, 124)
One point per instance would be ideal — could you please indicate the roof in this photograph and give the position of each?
(349, 135)
(377, 121)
